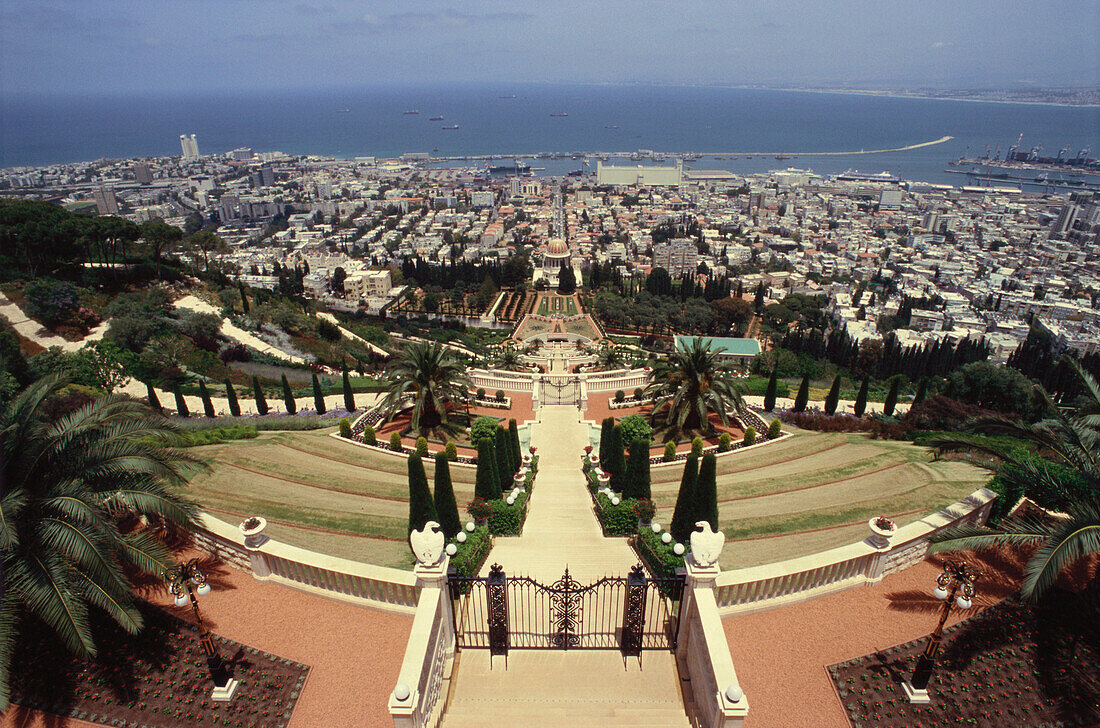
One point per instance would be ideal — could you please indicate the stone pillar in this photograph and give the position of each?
(721, 703)
(434, 576)
(254, 540)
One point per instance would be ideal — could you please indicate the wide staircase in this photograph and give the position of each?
(572, 689)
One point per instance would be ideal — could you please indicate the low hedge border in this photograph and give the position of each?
(658, 556)
(470, 556)
(508, 520)
(620, 520)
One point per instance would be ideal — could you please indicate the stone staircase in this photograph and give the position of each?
(572, 689)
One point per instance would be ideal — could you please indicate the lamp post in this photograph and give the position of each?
(185, 581)
(956, 577)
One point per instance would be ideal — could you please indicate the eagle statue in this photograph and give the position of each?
(427, 544)
(706, 545)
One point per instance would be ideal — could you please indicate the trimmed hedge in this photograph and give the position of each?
(620, 520)
(507, 520)
(472, 554)
(215, 435)
(659, 557)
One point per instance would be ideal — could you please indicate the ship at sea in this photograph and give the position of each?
(448, 128)
(857, 176)
(516, 167)
(563, 114)
(411, 112)
(343, 110)
(507, 96)
(436, 118)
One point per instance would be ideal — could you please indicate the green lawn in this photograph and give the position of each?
(815, 491)
(317, 492)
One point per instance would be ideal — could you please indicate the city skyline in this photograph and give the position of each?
(64, 47)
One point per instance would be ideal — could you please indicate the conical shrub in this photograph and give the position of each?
(683, 515)
(421, 506)
(445, 504)
(231, 395)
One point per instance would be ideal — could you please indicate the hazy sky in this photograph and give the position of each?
(110, 45)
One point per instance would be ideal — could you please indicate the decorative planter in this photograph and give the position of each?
(643, 523)
(603, 479)
(526, 459)
(594, 459)
(253, 531)
(882, 530)
(518, 479)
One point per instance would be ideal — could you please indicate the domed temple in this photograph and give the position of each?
(557, 256)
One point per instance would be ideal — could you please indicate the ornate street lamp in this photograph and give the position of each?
(957, 577)
(185, 581)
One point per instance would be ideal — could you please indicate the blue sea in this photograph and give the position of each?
(516, 120)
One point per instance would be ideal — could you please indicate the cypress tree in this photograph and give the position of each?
(349, 398)
(421, 506)
(181, 404)
(244, 296)
(605, 439)
(637, 485)
(803, 396)
(517, 451)
(318, 397)
(833, 397)
(288, 398)
(922, 388)
(154, 401)
(445, 505)
(891, 399)
(682, 523)
(258, 393)
(615, 464)
(487, 485)
(861, 398)
(504, 459)
(769, 393)
(207, 405)
(231, 395)
(706, 492)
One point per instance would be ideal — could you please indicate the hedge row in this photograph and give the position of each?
(658, 556)
(507, 520)
(472, 554)
(620, 520)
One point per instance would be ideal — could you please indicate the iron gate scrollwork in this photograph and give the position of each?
(631, 614)
(561, 390)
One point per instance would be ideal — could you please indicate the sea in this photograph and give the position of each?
(522, 120)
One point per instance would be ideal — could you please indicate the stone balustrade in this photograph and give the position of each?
(741, 591)
(703, 649)
(367, 585)
(415, 700)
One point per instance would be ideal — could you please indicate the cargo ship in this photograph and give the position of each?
(436, 118)
(561, 115)
(410, 112)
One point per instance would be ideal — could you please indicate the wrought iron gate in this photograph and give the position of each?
(561, 390)
(632, 613)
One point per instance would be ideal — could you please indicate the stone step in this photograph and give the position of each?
(567, 713)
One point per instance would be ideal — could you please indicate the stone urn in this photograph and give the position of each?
(519, 480)
(527, 459)
(882, 530)
(253, 531)
(594, 459)
(603, 479)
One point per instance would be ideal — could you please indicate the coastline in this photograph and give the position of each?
(901, 95)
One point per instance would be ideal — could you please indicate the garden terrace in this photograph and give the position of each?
(318, 492)
(516, 305)
(815, 491)
(155, 678)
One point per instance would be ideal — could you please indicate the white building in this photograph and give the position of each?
(190, 146)
(658, 176)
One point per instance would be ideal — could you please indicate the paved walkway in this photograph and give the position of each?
(561, 528)
(30, 329)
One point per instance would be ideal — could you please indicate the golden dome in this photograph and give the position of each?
(557, 246)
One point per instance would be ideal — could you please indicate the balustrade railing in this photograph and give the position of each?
(415, 700)
(763, 587)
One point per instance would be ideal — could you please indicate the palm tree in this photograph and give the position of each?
(608, 358)
(689, 385)
(1069, 438)
(508, 360)
(67, 487)
(434, 377)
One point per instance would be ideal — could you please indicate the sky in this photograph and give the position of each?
(115, 46)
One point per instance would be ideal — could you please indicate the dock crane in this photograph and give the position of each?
(1083, 155)
(1034, 153)
(1062, 151)
(1011, 156)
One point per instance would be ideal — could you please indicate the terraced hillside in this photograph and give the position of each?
(817, 490)
(317, 493)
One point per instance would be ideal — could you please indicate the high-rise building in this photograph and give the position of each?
(143, 174)
(105, 201)
(263, 176)
(190, 146)
(1065, 219)
(678, 256)
(243, 154)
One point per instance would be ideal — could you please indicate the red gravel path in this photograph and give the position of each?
(355, 653)
(781, 654)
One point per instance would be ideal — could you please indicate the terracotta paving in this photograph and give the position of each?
(354, 653)
(781, 654)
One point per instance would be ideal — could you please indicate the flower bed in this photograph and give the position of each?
(1012, 665)
(157, 678)
(658, 556)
